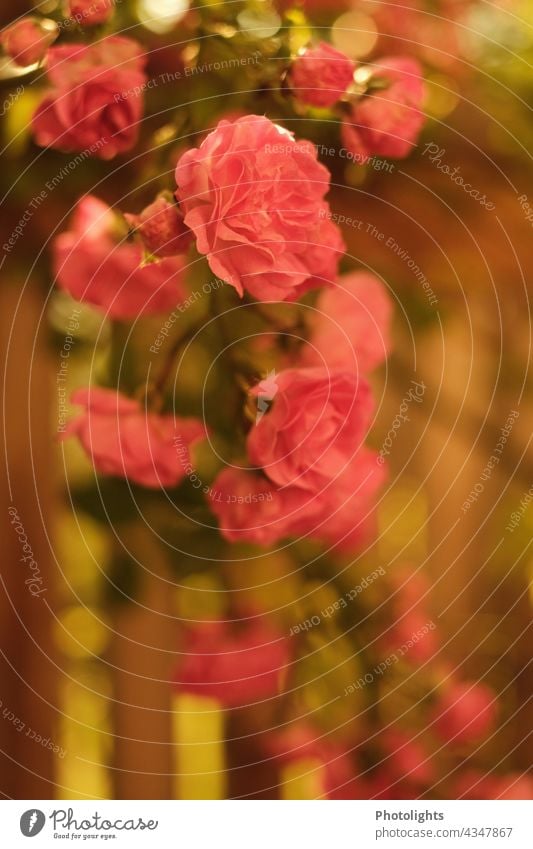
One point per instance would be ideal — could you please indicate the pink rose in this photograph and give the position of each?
(351, 326)
(89, 13)
(407, 758)
(235, 665)
(320, 75)
(387, 121)
(345, 510)
(28, 39)
(249, 508)
(254, 198)
(124, 440)
(316, 424)
(96, 100)
(465, 712)
(412, 629)
(95, 267)
(161, 228)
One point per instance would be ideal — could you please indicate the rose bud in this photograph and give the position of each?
(161, 228)
(27, 41)
(320, 75)
(89, 13)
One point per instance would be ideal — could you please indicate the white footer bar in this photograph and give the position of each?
(268, 825)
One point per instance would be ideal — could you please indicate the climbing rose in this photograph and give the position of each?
(254, 198)
(96, 101)
(94, 266)
(351, 326)
(320, 75)
(314, 427)
(249, 508)
(387, 121)
(124, 440)
(235, 665)
(28, 39)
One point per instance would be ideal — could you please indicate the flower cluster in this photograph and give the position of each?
(308, 447)
(242, 664)
(95, 263)
(319, 477)
(383, 100)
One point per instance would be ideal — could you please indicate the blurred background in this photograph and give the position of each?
(87, 706)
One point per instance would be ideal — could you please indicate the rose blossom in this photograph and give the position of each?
(124, 440)
(465, 712)
(254, 198)
(88, 13)
(387, 121)
(235, 665)
(161, 228)
(27, 40)
(249, 508)
(314, 427)
(407, 757)
(351, 326)
(96, 100)
(345, 509)
(93, 266)
(320, 75)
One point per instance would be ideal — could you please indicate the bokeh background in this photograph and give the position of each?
(90, 670)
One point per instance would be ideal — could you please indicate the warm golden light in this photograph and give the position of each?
(355, 34)
(161, 15)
